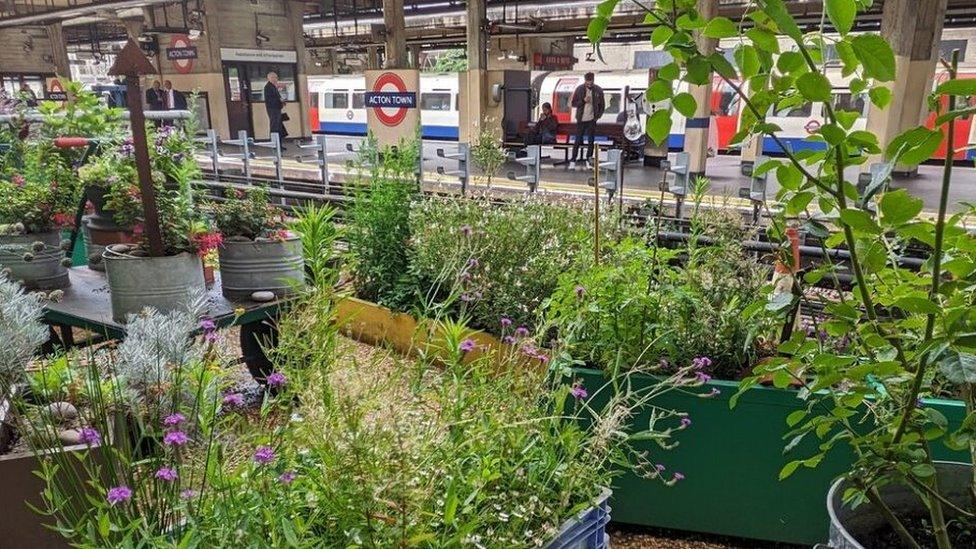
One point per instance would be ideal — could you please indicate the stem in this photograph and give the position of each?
(896, 524)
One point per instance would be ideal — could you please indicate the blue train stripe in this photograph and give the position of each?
(357, 128)
(795, 143)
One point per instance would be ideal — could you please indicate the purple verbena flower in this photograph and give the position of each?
(175, 438)
(473, 262)
(701, 362)
(685, 422)
(702, 377)
(580, 292)
(166, 473)
(277, 379)
(578, 392)
(509, 340)
(659, 468)
(264, 455)
(287, 477)
(678, 476)
(506, 322)
(119, 494)
(467, 345)
(466, 297)
(234, 399)
(466, 230)
(521, 331)
(90, 436)
(173, 420)
(207, 324)
(188, 494)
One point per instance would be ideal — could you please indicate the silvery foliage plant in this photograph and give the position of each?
(21, 330)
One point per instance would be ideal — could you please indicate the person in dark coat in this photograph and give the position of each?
(589, 102)
(175, 99)
(155, 99)
(544, 131)
(274, 104)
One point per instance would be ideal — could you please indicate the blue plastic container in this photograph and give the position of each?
(588, 529)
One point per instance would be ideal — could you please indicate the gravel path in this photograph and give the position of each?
(630, 537)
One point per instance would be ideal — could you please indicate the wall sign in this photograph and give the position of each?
(181, 53)
(550, 62)
(390, 99)
(55, 91)
(258, 56)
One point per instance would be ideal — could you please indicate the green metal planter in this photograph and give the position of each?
(731, 459)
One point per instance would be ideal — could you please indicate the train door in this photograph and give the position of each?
(725, 107)
(562, 98)
(313, 110)
(964, 125)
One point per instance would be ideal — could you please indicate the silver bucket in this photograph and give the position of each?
(847, 525)
(93, 250)
(163, 283)
(262, 266)
(45, 271)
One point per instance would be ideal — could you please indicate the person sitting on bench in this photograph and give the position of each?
(544, 131)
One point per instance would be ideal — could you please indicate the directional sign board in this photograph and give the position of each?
(391, 103)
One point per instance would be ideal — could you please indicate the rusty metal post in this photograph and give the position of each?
(596, 205)
(132, 63)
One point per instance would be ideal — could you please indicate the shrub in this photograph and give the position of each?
(504, 258)
(247, 214)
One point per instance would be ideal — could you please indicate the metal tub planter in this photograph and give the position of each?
(249, 266)
(163, 283)
(848, 527)
(36, 260)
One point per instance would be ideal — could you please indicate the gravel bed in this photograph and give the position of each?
(633, 537)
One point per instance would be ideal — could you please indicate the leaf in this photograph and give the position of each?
(814, 87)
(659, 126)
(960, 113)
(685, 104)
(790, 62)
(606, 8)
(669, 72)
(747, 59)
(596, 29)
(898, 207)
(776, 10)
(789, 177)
(957, 86)
(798, 203)
(660, 35)
(859, 220)
(841, 14)
(659, 90)
(846, 54)
(878, 180)
(923, 470)
(722, 66)
(780, 302)
(875, 56)
(880, 96)
(914, 146)
(789, 469)
(720, 27)
(763, 39)
(959, 367)
(698, 71)
(918, 305)
(795, 417)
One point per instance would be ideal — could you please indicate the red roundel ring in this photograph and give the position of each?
(390, 79)
(812, 126)
(182, 66)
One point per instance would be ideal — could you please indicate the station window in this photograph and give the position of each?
(848, 102)
(435, 101)
(336, 99)
(359, 99)
(11, 84)
(257, 77)
(613, 103)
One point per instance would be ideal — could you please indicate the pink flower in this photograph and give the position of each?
(579, 392)
(188, 494)
(287, 477)
(18, 180)
(685, 422)
(234, 399)
(173, 420)
(467, 345)
(175, 438)
(521, 331)
(90, 436)
(264, 455)
(678, 477)
(277, 379)
(506, 322)
(166, 473)
(119, 494)
(580, 292)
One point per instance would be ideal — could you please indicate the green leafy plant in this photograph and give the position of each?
(903, 325)
(319, 232)
(487, 152)
(247, 214)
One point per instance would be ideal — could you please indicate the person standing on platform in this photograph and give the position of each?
(589, 102)
(155, 99)
(175, 99)
(274, 104)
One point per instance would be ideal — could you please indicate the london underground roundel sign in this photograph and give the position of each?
(181, 53)
(390, 99)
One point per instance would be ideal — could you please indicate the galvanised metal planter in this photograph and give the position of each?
(163, 283)
(731, 459)
(850, 526)
(260, 266)
(45, 270)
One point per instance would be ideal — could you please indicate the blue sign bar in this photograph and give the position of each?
(391, 100)
(175, 54)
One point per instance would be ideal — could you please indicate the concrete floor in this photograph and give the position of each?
(639, 182)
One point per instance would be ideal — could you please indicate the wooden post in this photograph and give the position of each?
(132, 63)
(596, 204)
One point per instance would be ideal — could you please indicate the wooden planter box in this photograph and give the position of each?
(731, 459)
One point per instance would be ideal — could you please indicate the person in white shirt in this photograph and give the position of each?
(589, 102)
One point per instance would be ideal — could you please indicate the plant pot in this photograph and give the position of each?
(103, 217)
(847, 525)
(260, 266)
(97, 239)
(588, 529)
(45, 271)
(163, 283)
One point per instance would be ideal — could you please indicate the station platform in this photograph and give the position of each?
(640, 182)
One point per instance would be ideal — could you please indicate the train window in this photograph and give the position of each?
(457, 101)
(799, 111)
(848, 102)
(313, 99)
(336, 99)
(359, 99)
(613, 103)
(435, 101)
(728, 102)
(562, 101)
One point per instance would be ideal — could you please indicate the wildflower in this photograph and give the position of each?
(188, 494)
(677, 477)
(467, 345)
(685, 422)
(234, 399)
(18, 180)
(702, 377)
(521, 331)
(701, 362)
(473, 262)
(580, 292)
(659, 468)
(239, 311)
(89, 436)
(175, 438)
(276, 379)
(166, 473)
(263, 455)
(713, 393)
(207, 324)
(173, 420)
(119, 494)
(578, 392)
(509, 340)
(506, 322)
(466, 230)
(287, 477)
(465, 297)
